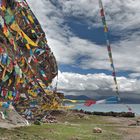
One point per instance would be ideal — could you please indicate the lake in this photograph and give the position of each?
(110, 107)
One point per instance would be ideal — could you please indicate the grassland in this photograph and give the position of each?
(69, 127)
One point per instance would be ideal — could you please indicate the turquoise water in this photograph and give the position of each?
(110, 107)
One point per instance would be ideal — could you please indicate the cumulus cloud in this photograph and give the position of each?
(123, 19)
(95, 82)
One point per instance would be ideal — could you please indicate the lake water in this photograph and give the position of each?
(111, 107)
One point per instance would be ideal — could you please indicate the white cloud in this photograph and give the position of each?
(95, 82)
(122, 17)
(134, 75)
(66, 46)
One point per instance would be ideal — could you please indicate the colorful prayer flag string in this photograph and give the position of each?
(27, 65)
(88, 103)
(106, 32)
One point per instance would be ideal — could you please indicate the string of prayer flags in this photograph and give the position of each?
(88, 103)
(110, 100)
(129, 109)
(25, 60)
(106, 32)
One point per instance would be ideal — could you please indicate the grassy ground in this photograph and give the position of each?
(70, 127)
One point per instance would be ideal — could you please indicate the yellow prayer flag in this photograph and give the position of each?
(111, 60)
(16, 28)
(30, 18)
(105, 29)
(10, 82)
(3, 8)
(28, 46)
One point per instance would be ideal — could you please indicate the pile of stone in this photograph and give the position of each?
(49, 119)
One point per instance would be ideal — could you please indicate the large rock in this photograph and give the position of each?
(97, 130)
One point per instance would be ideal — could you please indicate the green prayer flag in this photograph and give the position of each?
(5, 78)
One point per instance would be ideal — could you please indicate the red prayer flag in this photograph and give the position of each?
(3, 3)
(46, 78)
(1, 50)
(113, 73)
(89, 103)
(109, 48)
(35, 60)
(102, 13)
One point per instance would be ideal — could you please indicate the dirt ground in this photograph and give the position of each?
(128, 127)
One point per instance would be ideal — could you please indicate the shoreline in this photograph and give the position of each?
(110, 113)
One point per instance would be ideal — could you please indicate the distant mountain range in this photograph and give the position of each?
(126, 97)
(80, 97)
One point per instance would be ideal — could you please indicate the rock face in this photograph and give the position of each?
(27, 65)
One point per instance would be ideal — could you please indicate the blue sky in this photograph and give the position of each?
(80, 28)
(75, 34)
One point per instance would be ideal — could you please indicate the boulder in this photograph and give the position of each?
(97, 130)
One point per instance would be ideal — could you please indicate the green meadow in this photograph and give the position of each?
(70, 127)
